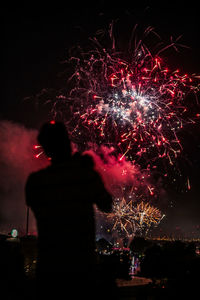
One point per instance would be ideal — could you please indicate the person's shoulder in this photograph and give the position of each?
(35, 176)
(84, 160)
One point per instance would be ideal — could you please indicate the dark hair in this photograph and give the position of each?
(54, 139)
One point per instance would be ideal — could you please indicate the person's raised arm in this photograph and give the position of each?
(103, 199)
(97, 191)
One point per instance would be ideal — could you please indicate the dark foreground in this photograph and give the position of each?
(180, 290)
(169, 277)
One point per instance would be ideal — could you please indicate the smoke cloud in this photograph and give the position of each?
(124, 178)
(17, 161)
(114, 172)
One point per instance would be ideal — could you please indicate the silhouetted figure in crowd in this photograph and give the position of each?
(61, 197)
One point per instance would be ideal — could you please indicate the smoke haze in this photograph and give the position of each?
(17, 161)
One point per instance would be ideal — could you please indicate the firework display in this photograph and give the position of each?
(148, 214)
(129, 218)
(133, 103)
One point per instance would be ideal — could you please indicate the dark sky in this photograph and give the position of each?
(35, 39)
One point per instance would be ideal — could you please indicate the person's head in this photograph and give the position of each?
(53, 137)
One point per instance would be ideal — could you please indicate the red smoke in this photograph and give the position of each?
(16, 163)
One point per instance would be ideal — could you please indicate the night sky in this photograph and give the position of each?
(35, 40)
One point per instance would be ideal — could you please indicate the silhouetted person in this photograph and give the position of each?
(61, 197)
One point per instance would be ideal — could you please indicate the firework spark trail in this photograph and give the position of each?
(131, 102)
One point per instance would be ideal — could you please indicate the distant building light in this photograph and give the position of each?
(14, 233)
